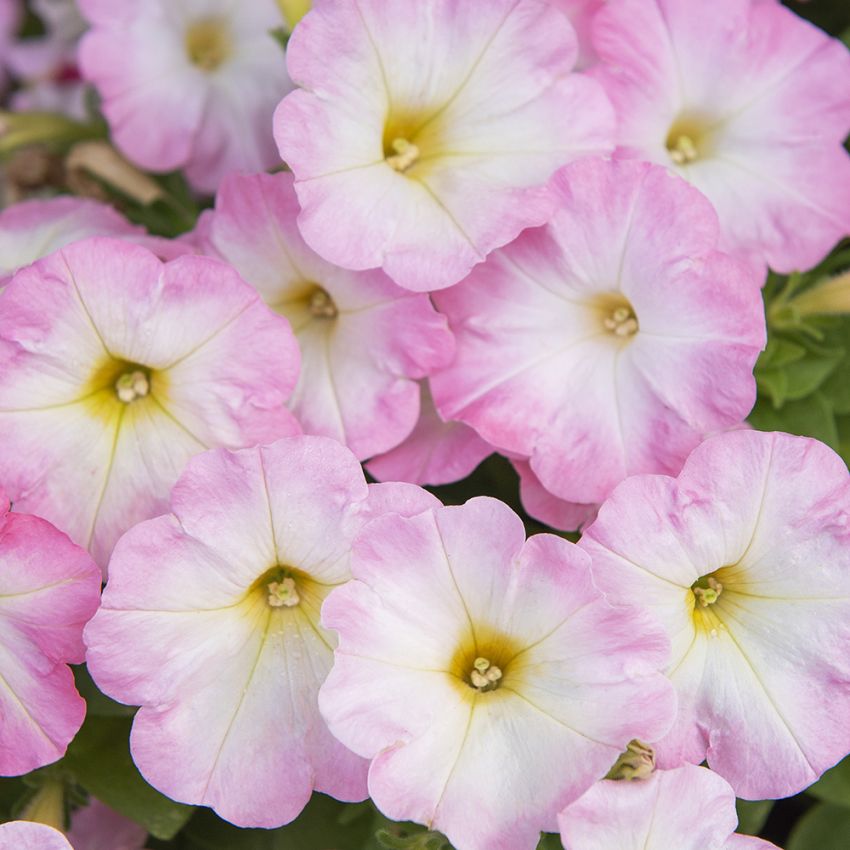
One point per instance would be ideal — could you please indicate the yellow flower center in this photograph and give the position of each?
(208, 43)
(321, 305)
(615, 315)
(133, 385)
(689, 139)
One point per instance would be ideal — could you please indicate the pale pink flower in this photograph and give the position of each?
(745, 560)
(689, 808)
(23, 835)
(210, 622)
(608, 342)
(484, 675)
(49, 588)
(740, 98)
(424, 132)
(436, 452)
(116, 368)
(581, 14)
(542, 505)
(97, 827)
(188, 84)
(364, 341)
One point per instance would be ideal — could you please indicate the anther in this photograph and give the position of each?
(406, 155)
(322, 305)
(484, 676)
(684, 150)
(709, 594)
(131, 386)
(621, 322)
(283, 593)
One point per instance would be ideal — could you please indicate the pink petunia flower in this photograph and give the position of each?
(363, 339)
(210, 622)
(97, 827)
(608, 342)
(188, 84)
(424, 132)
(689, 808)
(116, 368)
(540, 504)
(484, 675)
(49, 589)
(745, 560)
(740, 98)
(581, 14)
(23, 835)
(435, 452)
(32, 229)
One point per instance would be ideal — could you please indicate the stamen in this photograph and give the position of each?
(683, 150)
(322, 306)
(621, 322)
(406, 155)
(208, 43)
(131, 386)
(283, 593)
(709, 593)
(484, 676)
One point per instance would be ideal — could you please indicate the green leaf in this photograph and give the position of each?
(324, 824)
(550, 842)
(99, 758)
(825, 827)
(811, 417)
(834, 785)
(752, 815)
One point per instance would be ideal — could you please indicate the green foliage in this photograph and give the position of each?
(834, 786)
(99, 759)
(752, 815)
(825, 827)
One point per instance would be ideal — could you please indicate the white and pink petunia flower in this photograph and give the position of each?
(35, 228)
(49, 589)
(483, 673)
(608, 342)
(210, 622)
(188, 84)
(541, 505)
(364, 341)
(745, 560)
(435, 452)
(740, 98)
(423, 133)
(581, 14)
(97, 827)
(23, 835)
(689, 808)
(116, 368)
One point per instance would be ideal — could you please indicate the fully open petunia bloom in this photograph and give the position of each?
(363, 339)
(424, 132)
(483, 673)
(436, 452)
(689, 808)
(116, 368)
(739, 97)
(745, 560)
(188, 84)
(210, 622)
(49, 589)
(23, 835)
(608, 342)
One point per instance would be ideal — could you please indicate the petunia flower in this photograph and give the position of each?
(608, 342)
(188, 84)
(49, 589)
(485, 676)
(739, 97)
(689, 808)
(745, 560)
(23, 835)
(116, 368)
(11, 13)
(435, 452)
(210, 622)
(97, 827)
(541, 505)
(423, 133)
(581, 14)
(32, 229)
(364, 341)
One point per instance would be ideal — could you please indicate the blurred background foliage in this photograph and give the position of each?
(804, 388)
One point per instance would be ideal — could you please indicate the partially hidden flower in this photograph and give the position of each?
(188, 84)
(581, 14)
(547, 508)
(49, 589)
(426, 142)
(689, 808)
(483, 673)
(116, 368)
(745, 560)
(436, 452)
(210, 622)
(364, 341)
(97, 827)
(739, 97)
(23, 835)
(608, 342)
